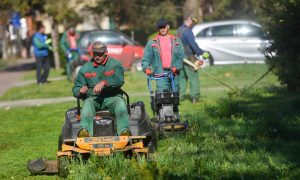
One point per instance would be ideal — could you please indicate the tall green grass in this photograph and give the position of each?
(26, 134)
(237, 137)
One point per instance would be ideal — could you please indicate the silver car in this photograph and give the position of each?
(232, 42)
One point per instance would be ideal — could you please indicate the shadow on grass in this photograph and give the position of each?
(263, 120)
(253, 135)
(20, 67)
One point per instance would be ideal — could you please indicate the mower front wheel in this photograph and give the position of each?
(63, 166)
(60, 142)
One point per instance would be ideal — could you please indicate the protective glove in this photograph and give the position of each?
(205, 55)
(174, 71)
(48, 46)
(48, 41)
(148, 72)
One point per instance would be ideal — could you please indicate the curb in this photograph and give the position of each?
(43, 101)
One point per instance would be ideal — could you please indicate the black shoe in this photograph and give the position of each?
(83, 133)
(47, 82)
(126, 132)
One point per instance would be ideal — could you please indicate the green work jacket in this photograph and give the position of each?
(152, 55)
(65, 42)
(90, 74)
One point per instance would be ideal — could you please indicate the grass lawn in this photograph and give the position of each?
(236, 76)
(30, 75)
(252, 134)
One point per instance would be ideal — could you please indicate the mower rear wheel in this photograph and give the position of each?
(152, 142)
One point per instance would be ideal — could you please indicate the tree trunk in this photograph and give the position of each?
(193, 7)
(18, 42)
(3, 21)
(54, 36)
(4, 42)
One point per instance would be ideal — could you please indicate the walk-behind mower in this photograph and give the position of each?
(104, 142)
(164, 105)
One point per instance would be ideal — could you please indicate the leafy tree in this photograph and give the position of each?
(139, 14)
(233, 9)
(283, 25)
(60, 12)
(6, 8)
(4, 16)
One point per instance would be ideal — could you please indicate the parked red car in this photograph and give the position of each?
(120, 46)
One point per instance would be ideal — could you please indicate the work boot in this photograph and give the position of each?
(184, 97)
(195, 100)
(83, 133)
(126, 132)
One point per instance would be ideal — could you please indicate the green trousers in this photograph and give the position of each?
(187, 74)
(69, 71)
(115, 105)
(70, 65)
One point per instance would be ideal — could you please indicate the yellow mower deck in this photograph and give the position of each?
(103, 146)
(99, 146)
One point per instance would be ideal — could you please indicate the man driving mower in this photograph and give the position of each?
(95, 83)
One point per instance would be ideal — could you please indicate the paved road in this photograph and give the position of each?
(34, 102)
(13, 74)
(42, 101)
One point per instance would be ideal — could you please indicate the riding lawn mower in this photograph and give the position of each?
(105, 141)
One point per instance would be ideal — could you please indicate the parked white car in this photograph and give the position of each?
(232, 42)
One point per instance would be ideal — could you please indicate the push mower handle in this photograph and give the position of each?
(73, 50)
(168, 75)
(69, 51)
(159, 76)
